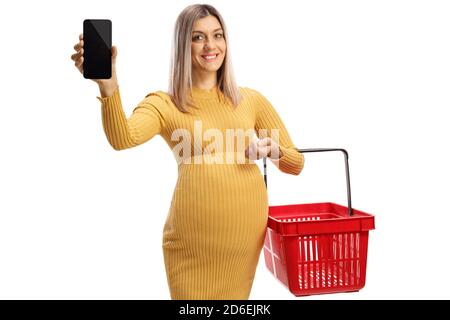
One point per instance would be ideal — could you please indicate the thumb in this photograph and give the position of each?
(114, 54)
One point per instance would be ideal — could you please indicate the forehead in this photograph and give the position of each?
(205, 24)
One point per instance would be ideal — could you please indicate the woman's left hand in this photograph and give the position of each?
(263, 148)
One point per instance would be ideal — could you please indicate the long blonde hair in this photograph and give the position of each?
(180, 82)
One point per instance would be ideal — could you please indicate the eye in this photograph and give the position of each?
(197, 37)
(219, 35)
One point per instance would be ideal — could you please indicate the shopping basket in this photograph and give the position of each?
(318, 248)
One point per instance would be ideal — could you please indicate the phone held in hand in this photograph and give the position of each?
(97, 38)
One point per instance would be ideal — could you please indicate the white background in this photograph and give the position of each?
(79, 220)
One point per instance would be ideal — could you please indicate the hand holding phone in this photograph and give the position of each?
(107, 86)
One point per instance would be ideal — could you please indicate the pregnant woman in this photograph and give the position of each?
(216, 224)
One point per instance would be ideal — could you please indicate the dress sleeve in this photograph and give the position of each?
(146, 121)
(267, 119)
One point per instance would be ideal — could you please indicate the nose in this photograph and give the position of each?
(209, 44)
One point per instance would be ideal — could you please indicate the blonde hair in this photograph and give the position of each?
(180, 82)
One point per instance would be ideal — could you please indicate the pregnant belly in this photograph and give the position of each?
(214, 201)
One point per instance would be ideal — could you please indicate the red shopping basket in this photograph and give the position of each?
(318, 248)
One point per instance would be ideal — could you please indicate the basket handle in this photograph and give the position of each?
(347, 173)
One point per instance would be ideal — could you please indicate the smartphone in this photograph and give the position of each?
(97, 38)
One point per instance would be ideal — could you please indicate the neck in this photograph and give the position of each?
(204, 80)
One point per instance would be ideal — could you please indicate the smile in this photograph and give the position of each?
(210, 57)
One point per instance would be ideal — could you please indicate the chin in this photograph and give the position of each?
(210, 68)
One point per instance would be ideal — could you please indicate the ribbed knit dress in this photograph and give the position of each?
(217, 220)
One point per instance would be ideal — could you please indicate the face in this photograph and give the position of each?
(208, 46)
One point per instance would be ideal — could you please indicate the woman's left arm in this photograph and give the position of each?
(269, 124)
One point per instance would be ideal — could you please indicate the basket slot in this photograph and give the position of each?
(299, 217)
(329, 261)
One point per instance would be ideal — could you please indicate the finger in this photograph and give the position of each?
(265, 142)
(79, 45)
(263, 151)
(269, 151)
(80, 36)
(275, 152)
(77, 55)
(271, 145)
(79, 62)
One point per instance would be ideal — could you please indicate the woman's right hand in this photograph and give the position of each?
(104, 84)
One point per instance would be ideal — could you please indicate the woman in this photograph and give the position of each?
(216, 224)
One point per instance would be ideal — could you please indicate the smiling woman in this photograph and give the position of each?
(217, 220)
(200, 57)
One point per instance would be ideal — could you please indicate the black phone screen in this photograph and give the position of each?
(97, 38)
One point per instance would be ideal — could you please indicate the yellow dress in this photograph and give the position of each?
(216, 224)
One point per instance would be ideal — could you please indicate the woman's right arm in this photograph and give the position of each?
(146, 121)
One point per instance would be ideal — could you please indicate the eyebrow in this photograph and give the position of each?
(203, 32)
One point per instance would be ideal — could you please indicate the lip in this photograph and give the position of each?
(207, 55)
